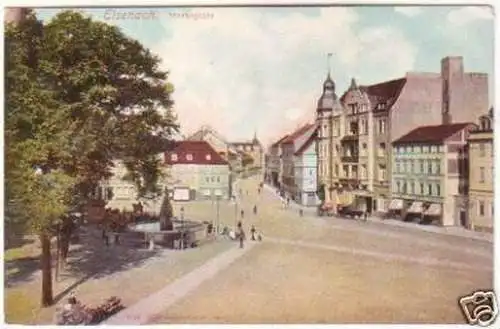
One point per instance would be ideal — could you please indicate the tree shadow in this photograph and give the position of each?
(12, 242)
(89, 259)
(20, 270)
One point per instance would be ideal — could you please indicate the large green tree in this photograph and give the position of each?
(79, 94)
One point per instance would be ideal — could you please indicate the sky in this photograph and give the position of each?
(243, 70)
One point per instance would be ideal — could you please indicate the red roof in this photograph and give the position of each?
(193, 152)
(432, 134)
(297, 133)
(307, 143)
(382, 93)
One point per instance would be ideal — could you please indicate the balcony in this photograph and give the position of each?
(350, 158)
(351, 181)
(353, 138)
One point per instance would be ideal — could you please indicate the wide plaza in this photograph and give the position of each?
(307, 269)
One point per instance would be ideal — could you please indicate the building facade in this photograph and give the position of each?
(481, 175)
(430, 174)
(305, 164)
(196, 166)
(275, 163)
(355, 132)
(289, 147)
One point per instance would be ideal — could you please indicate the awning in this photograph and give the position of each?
(433, 210)
(396, 204)
(345, 199)
(417, 207)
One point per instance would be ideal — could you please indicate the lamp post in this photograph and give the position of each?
(218, 217)
(182, 227)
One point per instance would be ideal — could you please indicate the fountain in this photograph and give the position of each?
(168, 231)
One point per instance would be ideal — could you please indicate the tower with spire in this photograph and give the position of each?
(328, 107)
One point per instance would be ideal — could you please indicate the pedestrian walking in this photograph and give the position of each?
(365, 215)
(242, 213)
(301, 212)
(259, 236)
(241, 236)
(255, 210)
(252, 231)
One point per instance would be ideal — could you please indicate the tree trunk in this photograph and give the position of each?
(46, 264)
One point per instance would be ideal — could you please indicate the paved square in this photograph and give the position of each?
(278, 283)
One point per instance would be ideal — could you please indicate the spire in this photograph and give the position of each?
(353, 84)
(329, 56)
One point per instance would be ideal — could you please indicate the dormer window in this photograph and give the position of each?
(189, 157)
(208, 157)
(173, 157)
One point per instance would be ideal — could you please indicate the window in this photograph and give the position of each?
(422, 189)
(398, 166)
(425, 149)
(207, 179)
(438, 189)
(363, 171)
(364, 148)
(429, 167)
(481, 175)
(310, 172)
(381, 126)
(189, 157)
(381, 172)
(433, 149)
(336, 170)
(412, 188)
(429, 189)
(398, 187)
(218, 179)
(213, 179)
(173, 157)
(438, 167)
(482, 149)
(440, 148)
(412, 168)
(381, 149)
(346, 171)
(208, 157)
(422, 169)
(481, 208)
(404, 187)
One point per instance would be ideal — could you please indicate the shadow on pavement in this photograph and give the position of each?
(88, 259)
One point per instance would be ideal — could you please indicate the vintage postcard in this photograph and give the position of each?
(320, 164)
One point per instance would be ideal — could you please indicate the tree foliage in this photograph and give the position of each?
(321, 192)
(79, 95)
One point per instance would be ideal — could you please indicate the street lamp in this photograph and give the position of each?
(218, 217)
(182, 227)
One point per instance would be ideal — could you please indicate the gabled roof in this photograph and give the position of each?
(279, 141)
(200, 151)
(432, 134)
(302, 148)
(297, 133)
(382, 93)
(204, 130)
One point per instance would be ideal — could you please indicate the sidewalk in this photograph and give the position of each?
(145, 309)
(449, 230)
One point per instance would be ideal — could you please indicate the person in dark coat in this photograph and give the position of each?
(242, 213)
(252, 231)
(241, 236)
(255, 210)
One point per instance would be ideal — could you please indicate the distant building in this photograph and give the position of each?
(429, 174)
(275, 164)
(197, 167)
(481, 175)
(242, 156)
(305, 164)
(255, 161)
(355, 132)
(289, 146)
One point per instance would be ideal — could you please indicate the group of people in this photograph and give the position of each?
(254, 235)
